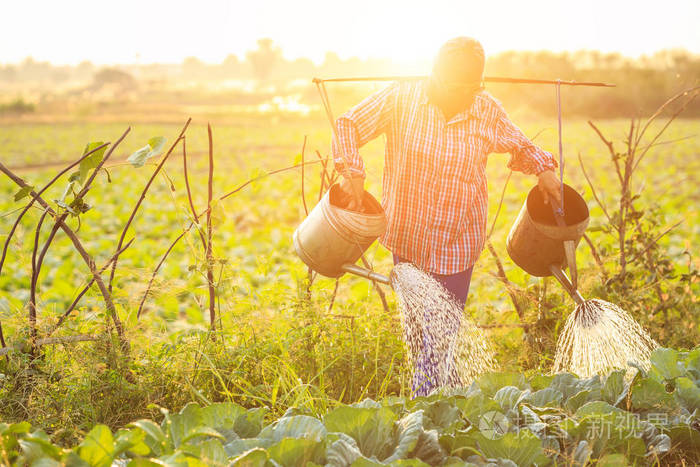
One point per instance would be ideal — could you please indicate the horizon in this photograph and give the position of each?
(160, 32)
(242, 58)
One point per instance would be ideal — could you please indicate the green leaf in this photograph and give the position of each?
(15, 428)
(569, 385)
(538, 381)
(153, 148)
(37, 445)
(131, 440)
(408, 430)
(523, 448)
(612, 460)
(409, 463)
(545, 397)
(239, 446)
(90, 162)
(684, 437)
(493, 424)
(342, 452)
(509, 397)
(291, 452)
(665, 363)
(614, 387)
(298, 426)
(47, 462)
(222, 417)
(212, 453)
(370, 428)
(692, 362)
(201, 431)
(364, 462)
(574, 402)
(650, 394)
(23, 192)
(254, 458)
(490, 383)
(428, 448)
(595, 408)
(154, 438)
(97, 449)
(443, 414)
(582, 453)
(688, 393)
(473, 407)
(250, 423)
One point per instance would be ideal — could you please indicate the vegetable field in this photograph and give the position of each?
(221, 346)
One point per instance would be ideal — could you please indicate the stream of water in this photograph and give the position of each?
(599, 337)
(445, 348)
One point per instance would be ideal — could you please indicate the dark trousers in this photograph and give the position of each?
(456, 284)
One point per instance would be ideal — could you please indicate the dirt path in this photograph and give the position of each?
(268, 149)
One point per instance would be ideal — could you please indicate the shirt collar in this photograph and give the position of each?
(474, 110)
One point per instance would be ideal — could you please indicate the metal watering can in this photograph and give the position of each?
(331, 239)
(542, 245)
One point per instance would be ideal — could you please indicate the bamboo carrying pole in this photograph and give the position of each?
(486, 79)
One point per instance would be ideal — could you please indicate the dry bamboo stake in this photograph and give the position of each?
(78, 245)
(503, 278)
(335, 292)
(87, 287)
(2, 341)
(155, 271)
(37, 263)
(189, 196)
(596, 257)
(231, 193)
(83, 253)
(53, 341)
(32, 288)
(39, 193)
(210, 258)
(143, 196)
(303, 191)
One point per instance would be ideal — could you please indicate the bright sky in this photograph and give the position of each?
(146, 31)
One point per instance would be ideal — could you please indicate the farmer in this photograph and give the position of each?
(439, 132)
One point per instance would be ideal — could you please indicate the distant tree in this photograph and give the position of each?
(193, 68)
(8, 73)
(113, 77)
(84, 69)
(231, 67)
(264, 59)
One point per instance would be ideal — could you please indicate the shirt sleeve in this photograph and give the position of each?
(355, 128)
(525, 156)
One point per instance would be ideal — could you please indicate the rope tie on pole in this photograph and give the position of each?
(560, 208)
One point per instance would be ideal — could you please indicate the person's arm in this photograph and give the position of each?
(354, 129)
(526, 157)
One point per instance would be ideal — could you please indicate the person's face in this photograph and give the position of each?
(457, 78)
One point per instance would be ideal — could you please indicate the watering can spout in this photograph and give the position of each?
(366, 273)
(567, 284)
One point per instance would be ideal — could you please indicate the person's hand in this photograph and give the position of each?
(353, 190)
(550, 187)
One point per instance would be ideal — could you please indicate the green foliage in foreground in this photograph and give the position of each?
(503, 419)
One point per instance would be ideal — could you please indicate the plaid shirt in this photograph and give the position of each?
(434, 185)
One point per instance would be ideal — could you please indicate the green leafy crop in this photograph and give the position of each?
(646, 419)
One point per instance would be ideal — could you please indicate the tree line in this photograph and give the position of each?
(642, 84)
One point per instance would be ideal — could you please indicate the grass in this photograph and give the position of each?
(277, 347)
